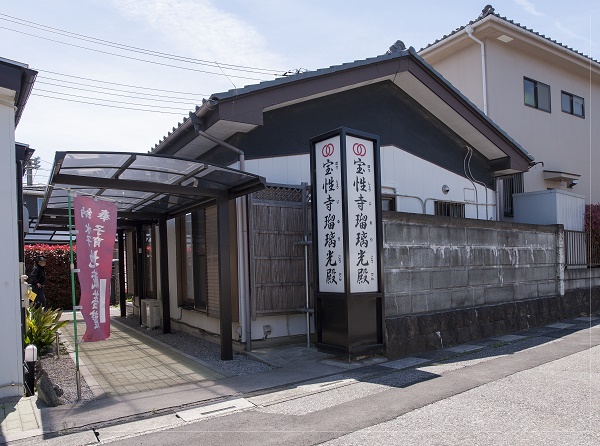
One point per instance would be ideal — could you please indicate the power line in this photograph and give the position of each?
(121, 46)
(128, 57)
(121, 85)
(107, 100)
(158, 98)
(106, 105)
(97, 41)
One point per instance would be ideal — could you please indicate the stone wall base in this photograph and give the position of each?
(412, 334)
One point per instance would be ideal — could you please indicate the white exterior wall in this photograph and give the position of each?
(463, 70)
(11, 349)
(416, 182)
(563, 142)
(410, 176)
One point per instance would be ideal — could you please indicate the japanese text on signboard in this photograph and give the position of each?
(95, 222)
(362, 213)
(329, 215)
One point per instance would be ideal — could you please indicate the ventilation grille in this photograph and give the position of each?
(280, 193)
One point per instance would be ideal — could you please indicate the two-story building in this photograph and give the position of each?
(541, 92)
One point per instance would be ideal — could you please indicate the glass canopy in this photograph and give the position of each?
(144, 187)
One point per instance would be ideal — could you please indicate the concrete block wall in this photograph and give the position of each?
(582, 278)
(437, 264)
(451, 281)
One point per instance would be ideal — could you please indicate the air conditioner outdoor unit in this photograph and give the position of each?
(151, 313)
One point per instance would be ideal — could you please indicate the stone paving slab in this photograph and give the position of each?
(464, 348)
(510, 338)
(404, 363)
(560, 325)
(19, 418)
(128, 363)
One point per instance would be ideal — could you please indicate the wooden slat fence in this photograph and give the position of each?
(278, 221)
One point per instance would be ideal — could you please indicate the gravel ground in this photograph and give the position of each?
(61, 372)
(201, 348)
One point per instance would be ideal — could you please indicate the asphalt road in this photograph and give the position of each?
(543, 391)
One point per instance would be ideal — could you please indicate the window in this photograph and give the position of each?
(537, 94)
(388, 203)
(572, 104)
(512, 184)
(150, 263)
(449, 209)
(192, 260)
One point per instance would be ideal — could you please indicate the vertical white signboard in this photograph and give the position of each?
(362, 215)
(328, 200)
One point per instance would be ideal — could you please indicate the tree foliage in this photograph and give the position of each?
(58, 273)
(592, 228)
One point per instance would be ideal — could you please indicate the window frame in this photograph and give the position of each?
(391, 202)
(450, 209)
(149, 268)
(536, 94)
(511, 184)
(571, 110)
(198, 302)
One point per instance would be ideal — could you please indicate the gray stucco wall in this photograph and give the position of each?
(437, 264)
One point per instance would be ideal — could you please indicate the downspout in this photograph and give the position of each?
(469, 30)
(242, 229)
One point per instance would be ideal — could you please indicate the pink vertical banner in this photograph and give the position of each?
(96, 225)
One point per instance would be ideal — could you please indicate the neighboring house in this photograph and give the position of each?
(33, 197)
(16, 83)
(440, 155)
(543, 94)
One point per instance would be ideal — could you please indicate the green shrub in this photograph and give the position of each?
(58, 273)
(42, 326)
(592, 228)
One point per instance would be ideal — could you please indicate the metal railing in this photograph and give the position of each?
(581, 250)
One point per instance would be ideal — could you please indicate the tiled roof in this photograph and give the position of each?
(308, 74)
(489, 10)
(397, 50)
(291, 78)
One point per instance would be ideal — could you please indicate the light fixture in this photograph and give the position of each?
(30, 358)
(30, 353)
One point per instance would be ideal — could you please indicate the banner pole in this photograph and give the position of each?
(77, 374)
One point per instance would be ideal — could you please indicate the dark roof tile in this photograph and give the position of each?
(490, 11)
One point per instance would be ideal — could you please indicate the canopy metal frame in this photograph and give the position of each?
(151, 189)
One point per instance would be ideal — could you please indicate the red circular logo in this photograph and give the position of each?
(359, 149)
(327, 150)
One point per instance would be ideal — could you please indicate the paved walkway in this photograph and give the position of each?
(119, 366)
(128, 362)
(20, 418)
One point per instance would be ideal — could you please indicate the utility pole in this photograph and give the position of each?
(33, 163)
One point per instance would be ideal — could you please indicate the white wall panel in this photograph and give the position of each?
(11, 372)
(407, 174)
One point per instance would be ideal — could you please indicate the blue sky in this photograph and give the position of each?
(273, 35)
